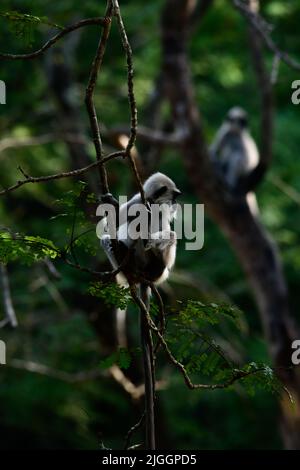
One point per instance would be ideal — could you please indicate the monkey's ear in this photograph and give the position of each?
(159, 192)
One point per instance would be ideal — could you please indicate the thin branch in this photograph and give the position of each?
(89, 21)
(131, 97)
(31, 366)
(133, 429)
(66, 174)
(105, 276)
(264, 31)
(89, 97)
(237, 375)
(162, 318)
(249, 182)
(7, 299)
(51, 268)
(285, 188)
(152, 136)
(135, 391)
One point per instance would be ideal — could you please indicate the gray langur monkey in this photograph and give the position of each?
(152, 255)
(144, 258)
(234, 152)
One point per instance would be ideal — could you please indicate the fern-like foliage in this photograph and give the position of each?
(24, 25)
(112, 294)
(25, 248)
(189, 335)
(122, 357)
(73, 206)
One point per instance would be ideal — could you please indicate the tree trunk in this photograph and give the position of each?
(254, 248)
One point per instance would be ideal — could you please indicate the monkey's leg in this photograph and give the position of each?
(121, 327)
(107, 247)
(147, 348)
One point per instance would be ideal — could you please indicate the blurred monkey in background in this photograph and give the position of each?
(234, 152)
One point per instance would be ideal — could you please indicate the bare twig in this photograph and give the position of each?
(31, 366)
(133, 429)
(162, 319)
(131, 97)
(105, 276)
(135, 391)
(89, 97)
(7, 299)
(285, 188)
(264, 81)
(263, 29)
(66, 174)
(54, 39)
(153, 136)
(51, 268)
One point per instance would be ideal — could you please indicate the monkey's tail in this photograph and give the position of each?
(149, 377)
(121, 327)
(252, 203)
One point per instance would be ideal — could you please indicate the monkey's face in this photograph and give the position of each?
(237, 124)
(161, 190)
(237, 119)
(166, 195)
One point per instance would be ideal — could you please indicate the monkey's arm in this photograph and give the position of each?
(160, 254)
(217, 142)
(106, 244)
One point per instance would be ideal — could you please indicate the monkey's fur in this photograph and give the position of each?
(234, 153)
(150, 259)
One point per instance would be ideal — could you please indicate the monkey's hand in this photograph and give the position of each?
(108, 198)
(161, 240)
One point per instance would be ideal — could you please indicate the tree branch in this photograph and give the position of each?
(131, 97)
(66, 174)
(152, 136)
(33, 55)
(250, 181)
(89, 97)
(263, 29)
(133, 429)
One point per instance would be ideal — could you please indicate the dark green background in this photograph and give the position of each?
(40, 412)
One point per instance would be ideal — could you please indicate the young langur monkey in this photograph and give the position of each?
(234, 152)
(145, 253)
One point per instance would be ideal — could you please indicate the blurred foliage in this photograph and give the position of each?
(42, 412)
(111, 294)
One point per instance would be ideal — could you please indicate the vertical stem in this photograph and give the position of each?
(89, 96)
(147, 349)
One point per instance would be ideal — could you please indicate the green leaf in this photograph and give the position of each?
(25, 248)
(24, 25)
(111, 293)
(122, 358)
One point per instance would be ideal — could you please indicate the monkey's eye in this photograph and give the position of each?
(176, 193)
(159, 192)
